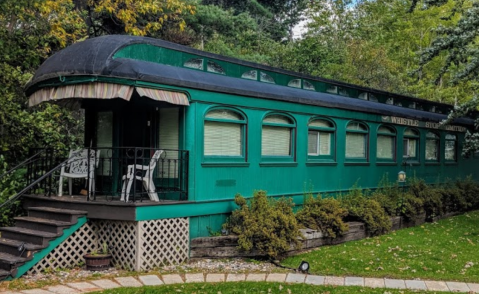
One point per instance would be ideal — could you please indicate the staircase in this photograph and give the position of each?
(32, 235)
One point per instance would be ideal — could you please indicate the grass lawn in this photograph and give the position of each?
(447, 250)
(254, 288)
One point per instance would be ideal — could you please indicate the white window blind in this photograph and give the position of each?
(324, 143)
(313, 143)
(320, 123)
(385, 148)
(356, 145)
(431, 149)
(450, 147)
(450, 150)
(319, 143)
(409, 132)
(409, 148)
(104, 139)
(276, 141)
(168, 139)
(224, 114)
(222, 138)
(277, 119)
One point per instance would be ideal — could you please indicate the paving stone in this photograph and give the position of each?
(436, 286)
(236, 278)
(374, 283)
(194, 278)
(84, 286)
(416, 285)
(256, 277)
(106, 284)
(473, 287)
(215, 278)
(354, 281)
(61, 289)
(394, 284)
(338, 281)
(456, 286)
(314, 280)
(36, 291)
(276, 278)
(150, 280)
(128, 282)
(10, 292)
(295, 278)
(172, 279)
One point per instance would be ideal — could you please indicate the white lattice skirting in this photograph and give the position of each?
(137, 246)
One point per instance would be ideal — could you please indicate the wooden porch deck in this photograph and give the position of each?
(104, 207)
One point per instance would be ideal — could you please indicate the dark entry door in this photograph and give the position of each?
(137, 126)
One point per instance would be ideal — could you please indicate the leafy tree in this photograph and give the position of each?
(29, 32)
(459, 44)
(139, 17)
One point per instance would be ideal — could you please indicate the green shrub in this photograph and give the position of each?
(452, 198)
(325, 215)
(368, 211)
(265, 224)
(387, 195)
(431, 198)
(409, 206)
(9, 186)
(470, 190)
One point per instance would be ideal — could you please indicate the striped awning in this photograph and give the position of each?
(65, 94)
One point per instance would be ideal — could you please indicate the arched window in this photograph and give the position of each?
(277, 136)
(432, 146)
(450, 147)
(196, 63)
(308, 86)
(411, 144)
(250, 75)
(296, 83)
(386, 144)
(212, 66)
(224, 133)
(321, 139)
(332, 89)
(266, 78)
(356, 141)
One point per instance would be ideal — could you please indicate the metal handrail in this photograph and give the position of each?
(23, 163)
(31, 185)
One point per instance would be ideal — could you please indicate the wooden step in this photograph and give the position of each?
(9, 261)
(28, 236)
(59, 214)
(12, 246)
(41, 224)
(4, 274)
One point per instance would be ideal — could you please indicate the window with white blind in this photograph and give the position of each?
(432, 146)
(450, 149)
(277, 136)
(386, 144)
(224, 133)
(321, 139)
(411, 144)
(357, 141)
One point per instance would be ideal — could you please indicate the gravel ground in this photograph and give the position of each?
(236, 265)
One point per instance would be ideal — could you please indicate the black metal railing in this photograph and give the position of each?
(123, 174)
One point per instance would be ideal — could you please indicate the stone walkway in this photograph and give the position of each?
(154, 280)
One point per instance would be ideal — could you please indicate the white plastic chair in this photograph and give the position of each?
(78, 167)
(146, 178)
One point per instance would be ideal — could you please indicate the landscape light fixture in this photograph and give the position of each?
(304, 267)
(401, 177)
